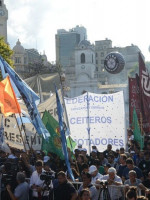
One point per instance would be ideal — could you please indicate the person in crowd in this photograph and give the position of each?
(140, 158)
(144, 165)
(102, 158)
(86, 178)
(94, 173)
(131, 166)
(113, 180)
(80, 161)
(84, 153)
(132, 193)
(85, 167)
(122, 150)
(106, 167)
(93, 156)
(36, 184)
(108, 151)
(133, 181)
(22, 190)
(100, 168)
(111, 161)
(146, 183)
(85, 194)
(64, 190)
(122, 165)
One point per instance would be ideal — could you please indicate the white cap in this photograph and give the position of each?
(94, 150)
(46, 158)
(84, 149)
(11, 156)
(132, 152)
(92, 169)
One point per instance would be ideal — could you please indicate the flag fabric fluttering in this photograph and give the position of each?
(54, 142)
(144, 79)
(8, 101)
(3, 146)
(30, 99)
(136, 130)
(62, 133)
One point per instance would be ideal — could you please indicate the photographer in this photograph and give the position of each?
(22, 190)
(37, 185)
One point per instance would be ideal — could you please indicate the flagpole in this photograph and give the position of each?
(66, 116)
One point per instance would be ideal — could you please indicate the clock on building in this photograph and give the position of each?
(114, 63)
(2, 12)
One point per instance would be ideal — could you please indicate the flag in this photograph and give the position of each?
(144, 86)
(62, 133)
(71, 144)
(136, 130)
(8, 102)
(30, 99)
(3, 146)
(54, 142)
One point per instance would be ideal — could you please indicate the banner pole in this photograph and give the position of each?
(88, 128)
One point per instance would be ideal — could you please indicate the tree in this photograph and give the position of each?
(6, 53)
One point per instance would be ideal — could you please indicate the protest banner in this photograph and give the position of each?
(97, 119)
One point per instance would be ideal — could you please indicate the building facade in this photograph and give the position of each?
(66, 42)
(3, 20)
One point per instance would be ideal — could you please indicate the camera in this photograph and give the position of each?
(47, 176)
(104, 184)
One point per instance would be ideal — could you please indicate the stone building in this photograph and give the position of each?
(3, 20)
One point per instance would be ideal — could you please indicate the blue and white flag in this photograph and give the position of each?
(3, 146)
(62, 133)
(30, 99)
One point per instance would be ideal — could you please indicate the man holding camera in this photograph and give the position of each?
(37, 185)
(21, 191)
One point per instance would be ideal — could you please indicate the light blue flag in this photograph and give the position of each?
(30, 98)
(62, 133)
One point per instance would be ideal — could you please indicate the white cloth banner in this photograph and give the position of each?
(98, 119)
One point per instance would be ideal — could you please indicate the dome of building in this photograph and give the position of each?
(18, 48)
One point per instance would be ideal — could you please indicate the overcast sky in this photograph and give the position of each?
(35, 22)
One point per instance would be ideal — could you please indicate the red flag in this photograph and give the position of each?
(144, 85)
(8, 102)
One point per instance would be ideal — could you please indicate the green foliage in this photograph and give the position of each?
(6, 52)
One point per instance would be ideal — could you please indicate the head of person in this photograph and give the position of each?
(112, 173)
(20, 177)
(62, 177)
(130, 163)
(80, 158)
(109, 147)
(110, 158)
(130, 132)
(39, 166)
(106, 167)
(77, 152)
(122, 151)
(86, 178)
(100, 155)
(83, 152)
(123, 158)
(93, 170)
(85, 194)
(132, 176)
(85, 167)
(132, 193)
(94, 153)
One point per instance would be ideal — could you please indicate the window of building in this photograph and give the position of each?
(96, 55)
(17, 60)
(102, 61)
(96, 69)
(97, 62)
(102, 54)
(0, 3)
(82, 58)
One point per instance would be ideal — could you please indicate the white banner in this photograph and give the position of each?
(97, 120)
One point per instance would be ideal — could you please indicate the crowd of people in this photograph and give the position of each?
(110, 174)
